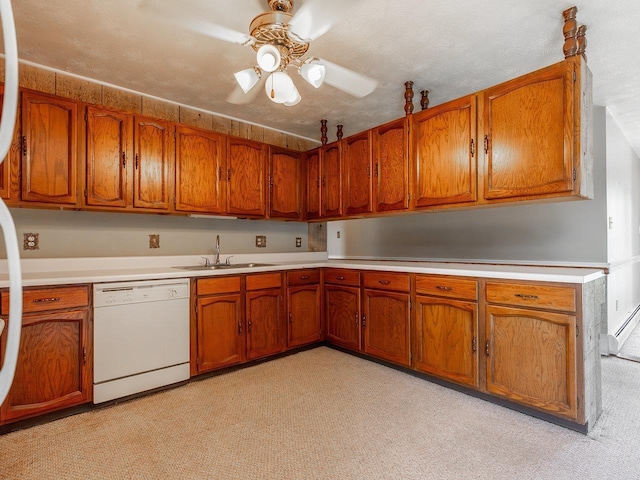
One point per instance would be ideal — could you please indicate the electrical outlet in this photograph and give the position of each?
(31, 241)
(154, 241)
(261, 241)
(298, 242)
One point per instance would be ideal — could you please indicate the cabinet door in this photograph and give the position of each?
(446, 339)
(305, 321)
(391, 167)
(49, 129)
(445, 154)
(343, 316)
(53, 367)
(386, 324)
(5, 167)
(531, 358)
(265, 332)
(246, 175)
(331, 181)
(529, 132)
(200, 170)
(356, 153)
(285, 184)
(220, 332)
(153, 164)
(109, 137)
(313, 190)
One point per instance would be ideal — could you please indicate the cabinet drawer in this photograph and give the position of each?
(528, 295)
(55, 298)
(342, 276)
(398, 282)
(303, 277)
(212, 286)
(462, 288)
(265, 280)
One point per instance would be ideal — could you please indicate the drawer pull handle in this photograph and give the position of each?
(384, 282)
(339, 277)
(46, 300)
(526, 297)
(304, 277)
(443, 288)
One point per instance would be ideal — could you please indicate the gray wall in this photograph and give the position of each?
(97, 234)
(564, 232)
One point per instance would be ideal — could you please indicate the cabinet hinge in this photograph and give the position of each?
(84, 355)
(574, 174)
(86, 117)
(574, 76)
(577, 331)
(410, 305)
(197, 361)
(86, 193)
(578, 402)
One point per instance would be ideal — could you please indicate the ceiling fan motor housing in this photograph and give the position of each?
(271, 28)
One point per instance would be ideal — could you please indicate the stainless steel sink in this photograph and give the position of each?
(223, 266)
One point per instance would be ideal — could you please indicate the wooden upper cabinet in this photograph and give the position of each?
(391, 166)
(356, 161)
(313, 179)
(153, 166)
(200, 171)
(529, 132)
(285, 184)
(445, 150)
(246, 177)
(331, 180)
(109, 162)
(5, 179)
(50, 139)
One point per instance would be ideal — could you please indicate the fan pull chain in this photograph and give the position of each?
(273, 93)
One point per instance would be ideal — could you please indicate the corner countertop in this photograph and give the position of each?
(61, 271)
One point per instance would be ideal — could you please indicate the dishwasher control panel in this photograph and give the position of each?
(107, 294)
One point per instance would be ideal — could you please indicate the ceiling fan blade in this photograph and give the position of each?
(174, 13)
(348, 81)
(315, 17)
(238, 97)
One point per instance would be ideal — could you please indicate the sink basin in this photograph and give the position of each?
(223, 266)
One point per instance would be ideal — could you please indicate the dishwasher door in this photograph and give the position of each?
(141, 336)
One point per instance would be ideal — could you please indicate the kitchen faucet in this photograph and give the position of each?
(217, 262)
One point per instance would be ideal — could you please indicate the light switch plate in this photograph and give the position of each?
(154, 241)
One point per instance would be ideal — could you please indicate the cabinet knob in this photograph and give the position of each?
(239, 328)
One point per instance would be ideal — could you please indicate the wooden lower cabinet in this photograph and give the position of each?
(53, 370)
(304, 315)
(343, 318)
(386, 326)
(531, 358)
(446, 336)
(265, 331)
(220, 332)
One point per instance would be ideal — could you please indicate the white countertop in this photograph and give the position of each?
(59, 271)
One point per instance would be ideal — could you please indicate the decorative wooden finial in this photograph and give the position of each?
(424, 99)
(570, 30)
(323, 132)
(339, 132)
(581, 38)
(408, 96)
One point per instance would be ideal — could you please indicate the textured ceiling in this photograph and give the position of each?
(452, 49)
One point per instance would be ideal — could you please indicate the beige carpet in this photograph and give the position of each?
(323, 414)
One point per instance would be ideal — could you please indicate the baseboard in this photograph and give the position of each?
(615, 341)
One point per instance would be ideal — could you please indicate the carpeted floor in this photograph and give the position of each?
(324, 414)
(631, 347)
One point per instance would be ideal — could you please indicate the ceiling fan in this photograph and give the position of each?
(281, 40)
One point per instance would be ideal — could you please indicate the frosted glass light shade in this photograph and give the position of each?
(280, 87)
(248, 78)
(313, 72)
(294, 99)
(268, 57)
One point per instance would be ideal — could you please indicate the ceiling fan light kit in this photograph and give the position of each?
(248, 78)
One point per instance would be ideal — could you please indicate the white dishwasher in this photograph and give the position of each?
(140, 336)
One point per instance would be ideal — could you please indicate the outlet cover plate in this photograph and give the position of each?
(261, 241)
